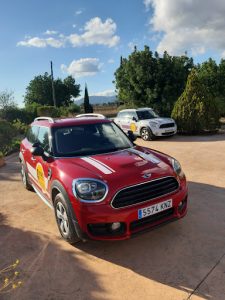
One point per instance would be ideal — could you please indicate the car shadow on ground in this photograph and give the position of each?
(178, 254)
(47, 269)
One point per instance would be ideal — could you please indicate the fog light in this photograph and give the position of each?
(181, 205)
(115, 226)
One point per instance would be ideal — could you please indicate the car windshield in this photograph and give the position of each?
(89, 139)
(146, 114)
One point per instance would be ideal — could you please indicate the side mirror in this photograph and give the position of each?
(37, 150)
(134, 119)
(131, 136)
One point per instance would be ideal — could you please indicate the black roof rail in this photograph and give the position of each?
(51, 120)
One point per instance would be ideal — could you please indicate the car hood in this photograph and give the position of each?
(120, 168)
(161, 121)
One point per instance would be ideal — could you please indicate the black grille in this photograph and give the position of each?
(151, 219)
(167, 125)
(144, 192)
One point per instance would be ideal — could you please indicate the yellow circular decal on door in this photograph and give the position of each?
(133, 127)
(40, 176)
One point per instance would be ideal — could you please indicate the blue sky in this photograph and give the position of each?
(87, 38)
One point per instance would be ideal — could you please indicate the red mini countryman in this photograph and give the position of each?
(99, 183)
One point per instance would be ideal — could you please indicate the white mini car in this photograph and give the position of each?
(145, 122)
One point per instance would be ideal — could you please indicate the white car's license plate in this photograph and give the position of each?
(169, 130)
(154, 209)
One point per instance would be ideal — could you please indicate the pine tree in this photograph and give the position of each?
(196, 110)
(87, 106)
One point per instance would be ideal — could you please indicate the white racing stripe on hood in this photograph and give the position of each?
(103, 168)
(103, 164)
(149, 157)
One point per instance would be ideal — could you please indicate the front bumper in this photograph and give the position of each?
(95, 220)
(164, 131)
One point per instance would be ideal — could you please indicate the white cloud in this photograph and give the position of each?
(195, 26)
(106, 93)
(50, 32)
(96, 32)
(83, 67)
(131, 46)
(41, 42)
(147, 3)
(79, 12)
(111, 61)
(33, 42)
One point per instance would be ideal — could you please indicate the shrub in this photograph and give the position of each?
(12, 113)
(196, 111)
(48, 111)
(20, 127)
(73, 109)
(7, 134)
(32, 109)
(63, 111)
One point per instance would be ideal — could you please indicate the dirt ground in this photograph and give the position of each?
(182, 260)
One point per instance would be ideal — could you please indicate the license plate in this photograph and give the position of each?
(154, 209)
(169, 130)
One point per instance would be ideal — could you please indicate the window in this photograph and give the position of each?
(89, 139)
(32, 134)
(43, 138)
(146, 114)
(131, 115)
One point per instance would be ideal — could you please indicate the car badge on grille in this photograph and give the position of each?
(146, 175)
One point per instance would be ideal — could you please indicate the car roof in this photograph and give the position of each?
(51, 122)
(136, 109)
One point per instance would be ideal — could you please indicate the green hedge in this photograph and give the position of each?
(48, 111)
(7, 136)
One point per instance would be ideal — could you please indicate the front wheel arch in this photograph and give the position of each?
(150, 134)
(57, 188)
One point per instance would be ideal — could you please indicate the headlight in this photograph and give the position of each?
(177, 167)
(89, 190)
(154, 124)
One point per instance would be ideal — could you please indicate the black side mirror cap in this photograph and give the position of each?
(134, 119)
(131, 136)
(37, 150)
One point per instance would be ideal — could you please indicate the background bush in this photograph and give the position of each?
(48, 111)
(196, 110)
(7, 136)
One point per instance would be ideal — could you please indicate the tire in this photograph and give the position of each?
(25, 178)
(64, 220)
(146, 134)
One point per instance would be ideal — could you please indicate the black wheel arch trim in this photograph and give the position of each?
(57, 185)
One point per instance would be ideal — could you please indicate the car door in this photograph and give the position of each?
(125, 121)
(28, 158)
(42, 165)
(133, 121)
